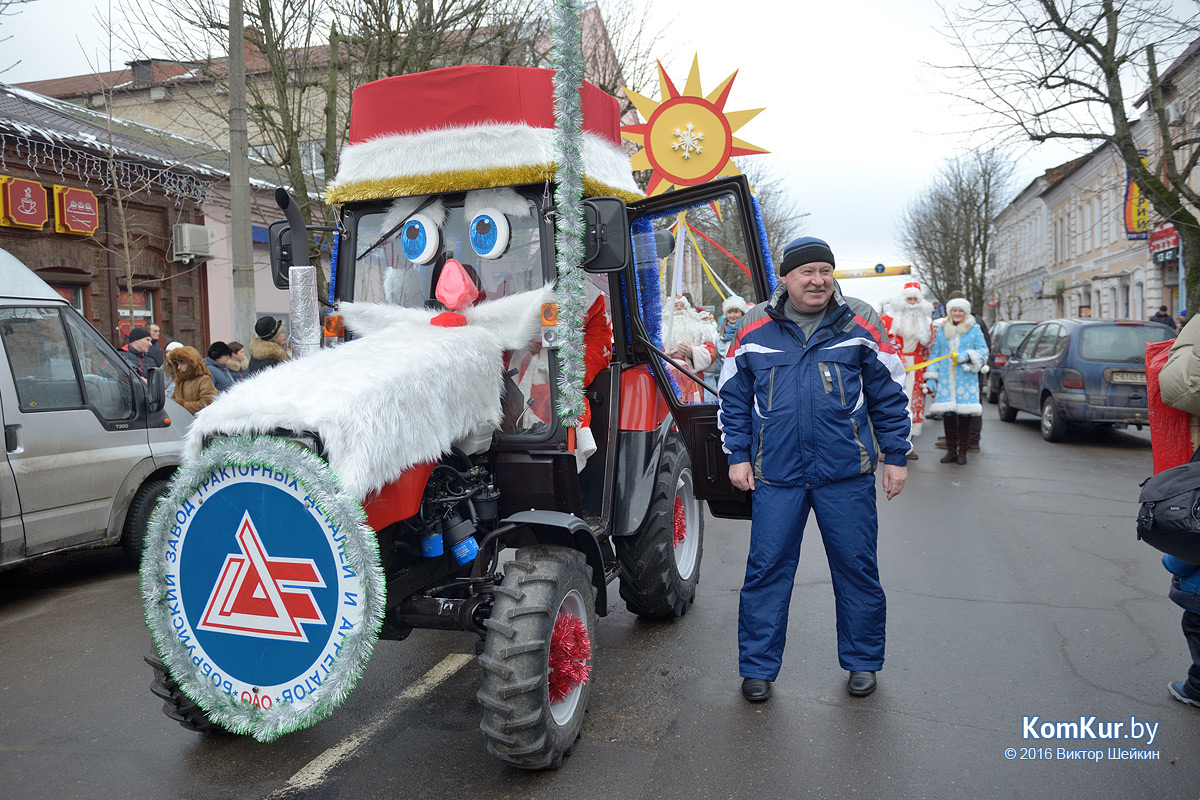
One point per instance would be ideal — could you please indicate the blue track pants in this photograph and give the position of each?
(846, 515)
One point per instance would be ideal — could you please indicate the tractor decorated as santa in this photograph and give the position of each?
(484, 441)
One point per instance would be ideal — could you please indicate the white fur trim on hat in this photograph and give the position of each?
(732, 302)
(959, 302)
(911, 289)
(474, 147)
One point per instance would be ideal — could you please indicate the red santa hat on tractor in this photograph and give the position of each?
(472, 127)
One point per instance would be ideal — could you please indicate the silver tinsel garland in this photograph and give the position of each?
(568, 197)
(361, 551)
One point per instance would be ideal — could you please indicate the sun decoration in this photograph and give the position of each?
(687, 138)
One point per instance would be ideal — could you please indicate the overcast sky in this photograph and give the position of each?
(854, 120)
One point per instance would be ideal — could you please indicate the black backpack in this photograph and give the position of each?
(1169, 519)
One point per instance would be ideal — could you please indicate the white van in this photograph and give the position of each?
(88, 446)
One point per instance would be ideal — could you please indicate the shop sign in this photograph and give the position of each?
(1137, 206)
(75, 211)
(25, 204)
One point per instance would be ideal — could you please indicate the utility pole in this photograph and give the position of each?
(239, 181)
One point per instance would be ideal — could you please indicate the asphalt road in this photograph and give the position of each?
(1016, 589)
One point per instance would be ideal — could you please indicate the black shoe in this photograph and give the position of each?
(913, 456)
(756, 689)
(860, 684)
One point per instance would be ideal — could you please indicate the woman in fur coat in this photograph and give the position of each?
(194, 387)
(955, 380)
(267, 348)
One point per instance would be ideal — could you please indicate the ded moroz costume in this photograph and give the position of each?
(910, 326)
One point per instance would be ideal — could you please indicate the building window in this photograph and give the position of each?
(311, 160)
(73, 294)
(264, 152)
(143, 310)
(1139, 300)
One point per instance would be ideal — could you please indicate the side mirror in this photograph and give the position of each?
(279, 240)
(606, 235)
(156, 393)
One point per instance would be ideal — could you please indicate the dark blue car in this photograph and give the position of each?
(1077, 371)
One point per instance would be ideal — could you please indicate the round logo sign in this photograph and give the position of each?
(263, 585)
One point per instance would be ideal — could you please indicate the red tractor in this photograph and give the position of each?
(516, 530)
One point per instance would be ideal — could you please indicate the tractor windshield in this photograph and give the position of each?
(401, 248)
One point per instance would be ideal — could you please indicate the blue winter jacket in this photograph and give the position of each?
(815, 412)
(1185, 582)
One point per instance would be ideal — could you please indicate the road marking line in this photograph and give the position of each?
(313, 773)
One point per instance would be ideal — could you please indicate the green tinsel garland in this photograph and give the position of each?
(362, 554)
(568, 197)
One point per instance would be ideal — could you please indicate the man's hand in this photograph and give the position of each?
(742, 476)
(893, 479)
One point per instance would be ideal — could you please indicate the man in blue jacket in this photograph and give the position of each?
(812, 396)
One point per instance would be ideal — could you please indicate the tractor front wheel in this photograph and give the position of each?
(177, 705)
(537, 658)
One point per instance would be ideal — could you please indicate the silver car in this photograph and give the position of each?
(88, 445)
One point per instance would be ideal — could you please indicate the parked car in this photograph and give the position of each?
(88, 445)
(1006, 335)
(1074, 371)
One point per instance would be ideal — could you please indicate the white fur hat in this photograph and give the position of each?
(732, 302)
(959, 302)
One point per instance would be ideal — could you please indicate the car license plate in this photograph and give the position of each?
(1138, 378)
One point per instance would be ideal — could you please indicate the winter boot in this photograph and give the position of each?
(976, 429)
(950, 424)
(964, 437)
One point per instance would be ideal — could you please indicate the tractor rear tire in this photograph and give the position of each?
(523, 727)
(658, 574)
(177, 705)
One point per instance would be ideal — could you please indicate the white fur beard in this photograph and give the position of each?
(400, 395)
(913, 323)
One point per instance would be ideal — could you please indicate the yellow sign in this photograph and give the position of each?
(878, 271)
(687, 138)
(1137, 207)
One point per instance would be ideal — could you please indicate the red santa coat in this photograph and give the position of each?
(912, 352)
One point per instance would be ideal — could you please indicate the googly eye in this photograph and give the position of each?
(489, 232)
(419, 239)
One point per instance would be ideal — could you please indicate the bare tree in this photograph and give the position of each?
(947, 231)
(1077, 70)
(10, 8)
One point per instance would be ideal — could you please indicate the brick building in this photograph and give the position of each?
(88, 202)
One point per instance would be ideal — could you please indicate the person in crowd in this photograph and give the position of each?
(239, 363)
(977, 421)
(1163, 317)
(155, 353)
(691, 341)
(168, 369)
(137, 343)
(954, 379)
(217, 357)
(194, 387)
(733, 309)
(1179, 385)
(269, 345)
(1181, 319)
(810, 385)
(910, 326)
(1179, 381)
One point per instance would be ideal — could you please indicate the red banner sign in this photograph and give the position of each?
(25, 204)
(1164, 237)
(76, 211)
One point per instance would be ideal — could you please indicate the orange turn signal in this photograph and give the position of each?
(335, 326)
